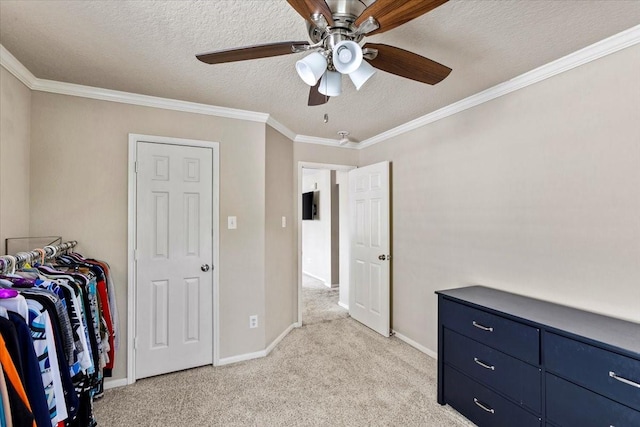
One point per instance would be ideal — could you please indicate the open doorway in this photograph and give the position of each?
(323, 242)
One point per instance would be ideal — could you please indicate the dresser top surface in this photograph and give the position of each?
(617, 333)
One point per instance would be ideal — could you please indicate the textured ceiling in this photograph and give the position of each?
(148, 47)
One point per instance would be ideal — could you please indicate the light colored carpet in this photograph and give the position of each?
(320, 303)
(336, 373)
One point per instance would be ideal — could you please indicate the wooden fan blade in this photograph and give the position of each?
(393, 13)
(408, 64)
(250, 52)
(306, 8)
(315, 97)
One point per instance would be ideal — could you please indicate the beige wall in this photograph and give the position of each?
(536, 192)
(79, 191)
(15, 137)
(280, 285)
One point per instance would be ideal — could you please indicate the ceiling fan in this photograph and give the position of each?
(337, 29)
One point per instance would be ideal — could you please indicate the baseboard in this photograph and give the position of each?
(317, 278)
(417, 346)
(257, 354)
(275, 342)
(343, 305)
(241, 357)
(109, 384)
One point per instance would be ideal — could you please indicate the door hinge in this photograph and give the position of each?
(135, 167)
(135, 343)
(136, 255)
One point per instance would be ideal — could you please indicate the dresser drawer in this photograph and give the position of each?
(602, 371)
(506, 335)
(570, 405)
(508, 375)
(481, 405)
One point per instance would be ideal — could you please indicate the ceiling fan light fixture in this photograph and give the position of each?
(311, 67)
(347, 56)
(331, 84)
(360, 76)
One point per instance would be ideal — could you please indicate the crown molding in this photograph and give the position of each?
(324, 141)
(281, 128)
(8, 61)
(590, 53)
(146, 100)
(15, 67)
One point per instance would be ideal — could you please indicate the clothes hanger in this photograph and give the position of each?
(22, 258)
(42, 254)
(11, 268)
(53, 250)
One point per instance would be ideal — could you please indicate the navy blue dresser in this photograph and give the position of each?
(509, 360)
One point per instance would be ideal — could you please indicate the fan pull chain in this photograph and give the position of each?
(326, 118)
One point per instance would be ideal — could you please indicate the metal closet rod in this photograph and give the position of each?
(49, 252)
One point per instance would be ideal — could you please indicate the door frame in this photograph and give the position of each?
(132, 232)
(308, 165)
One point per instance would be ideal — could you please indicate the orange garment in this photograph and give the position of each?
(5, 399)
(12, 374)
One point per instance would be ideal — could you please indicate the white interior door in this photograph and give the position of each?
(369, 288)
(174, 272)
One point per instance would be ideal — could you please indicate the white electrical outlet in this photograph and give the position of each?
(284, 221)
(253, 321)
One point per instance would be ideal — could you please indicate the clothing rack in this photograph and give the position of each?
(11, 262)
(58, 308)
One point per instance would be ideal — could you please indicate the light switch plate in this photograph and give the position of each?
(284, 221)
(232, 222)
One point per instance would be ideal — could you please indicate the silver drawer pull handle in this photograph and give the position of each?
(484, 365)
(480, 404)
(623, 380)
(484, 328)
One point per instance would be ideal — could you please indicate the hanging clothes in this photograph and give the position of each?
(58, 331)
(21, 414)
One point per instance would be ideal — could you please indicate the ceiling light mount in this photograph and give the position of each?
(343, 134)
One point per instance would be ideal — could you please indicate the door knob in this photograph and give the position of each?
(382, 257)
(205, 267)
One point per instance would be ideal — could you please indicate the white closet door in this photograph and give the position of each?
(174, 285)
